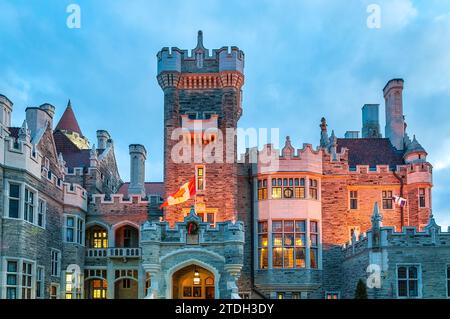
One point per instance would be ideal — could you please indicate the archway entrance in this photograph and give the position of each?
(193, 282)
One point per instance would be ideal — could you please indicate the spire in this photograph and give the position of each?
(288, 150)
(24, 132)
(376, 217)
(200, 40)
(324, 141)
(68, 121)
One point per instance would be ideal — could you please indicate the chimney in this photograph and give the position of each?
(395, 122)
(38, 117)
(102, 139)
(351, 134)
(138, 155)
(370, 121)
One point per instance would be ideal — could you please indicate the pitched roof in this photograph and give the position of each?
(370, 151)
(150, 188)
(73, 156)
(68, 121)
(14, 131)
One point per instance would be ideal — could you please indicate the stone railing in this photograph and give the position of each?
(113, 252)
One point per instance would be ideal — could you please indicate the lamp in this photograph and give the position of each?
(196, 277)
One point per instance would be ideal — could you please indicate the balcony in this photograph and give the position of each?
(113, 252)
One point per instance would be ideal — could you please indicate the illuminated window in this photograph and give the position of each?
(422, 202)
(280, 295)
(387, 199)
(14, 199)
(314, 240)
(299, 187)
(262, 189)
(262, 245)
(331, 295)
(200, 178)
(288, 242)
(313, 194)
(277, 188)
(99, 288)
(99, 238)
(353, 199)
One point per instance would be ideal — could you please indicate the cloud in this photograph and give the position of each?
(397, 14)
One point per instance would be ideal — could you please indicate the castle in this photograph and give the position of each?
(312, 226)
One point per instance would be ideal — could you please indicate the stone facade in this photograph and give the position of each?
(305, 225)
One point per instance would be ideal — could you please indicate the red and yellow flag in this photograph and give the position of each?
(185, 192)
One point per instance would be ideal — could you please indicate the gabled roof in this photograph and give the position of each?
(73, 156)
(150, 188)
(68, 121)
(370, 151)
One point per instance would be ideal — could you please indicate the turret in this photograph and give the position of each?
(395, 123)
(370, 121)
(39, 117)
(138, 155)
(102, 139)
(5, 111)
(414, 152)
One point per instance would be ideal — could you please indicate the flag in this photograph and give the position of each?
(185, 192)
(399, 201)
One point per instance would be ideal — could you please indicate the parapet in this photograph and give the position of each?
(199, 60)
(393, 84)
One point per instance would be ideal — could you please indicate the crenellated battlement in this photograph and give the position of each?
(199, 59)
(20, 153)
(75, 195)
(113, 199)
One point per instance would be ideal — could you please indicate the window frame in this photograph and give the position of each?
(41, 289)
(20, 277)
(353, 199)
(293, 246)
(261, 233)
(422, 197)
(41, 211)
(408, 279)
(29, 204)
(313, 189)
(78, 233)
(198, 179)
(55, 268)
(10, 198)
(387, 199)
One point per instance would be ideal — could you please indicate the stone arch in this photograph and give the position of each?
(189, 262)
(116, 226)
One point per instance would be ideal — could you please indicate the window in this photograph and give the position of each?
(314, 239)
(27, 278)
(262, 245)
(14, 199)
(200, 178)
(12, 280)
(70, 229)
(207, 218)
(276, 188)
(387, 199)
(353, 199)
(40, 282)
(54, 291)
(127, 237)
(148, 283)
(313, 189)
(126, 283)
(262, 189)
(99, 289)
(56, 262)
(288, 241)
(80, 230)
(28, 210)
(295, 295)
(422, 202)
(331, 295)
(280, 295)
(408, 281)
(299, 187)
(100, 238)
(73, 290)
(192, 115)
(42, 208)
(448, 281)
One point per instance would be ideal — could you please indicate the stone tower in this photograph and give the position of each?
(395, 122)
(138, 155)
(202, 98)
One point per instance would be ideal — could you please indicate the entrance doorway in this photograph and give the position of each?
(193, 282)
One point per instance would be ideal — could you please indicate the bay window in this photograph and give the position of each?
(12, 279)
(288, 244)
(263, 245)
(27, 278)
(314, 240)
(313, 194)
(262, 189)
